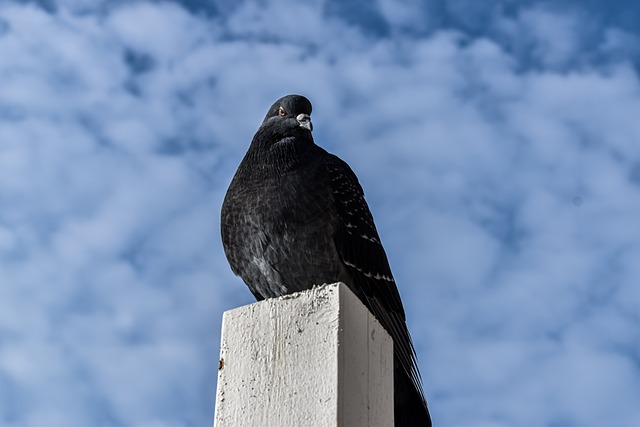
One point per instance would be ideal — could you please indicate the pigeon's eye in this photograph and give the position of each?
(282, 112)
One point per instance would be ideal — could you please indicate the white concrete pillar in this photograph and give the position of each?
(315, 358)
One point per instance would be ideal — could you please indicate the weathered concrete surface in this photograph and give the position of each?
(315, 358)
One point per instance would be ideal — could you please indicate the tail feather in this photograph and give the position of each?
(410, 409)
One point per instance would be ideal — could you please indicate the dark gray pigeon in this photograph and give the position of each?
(295, 216)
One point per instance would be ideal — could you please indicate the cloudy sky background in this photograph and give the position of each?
(497, 143)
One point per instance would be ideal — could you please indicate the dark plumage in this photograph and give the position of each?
(295, 216)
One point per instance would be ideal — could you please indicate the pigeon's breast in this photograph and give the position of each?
(286, 226)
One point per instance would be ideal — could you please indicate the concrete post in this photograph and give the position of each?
(315, 358)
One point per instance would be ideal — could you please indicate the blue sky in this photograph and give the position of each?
(497, 143)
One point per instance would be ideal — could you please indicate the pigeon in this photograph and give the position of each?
(294, 216)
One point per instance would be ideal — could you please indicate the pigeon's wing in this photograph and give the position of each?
(359, 247)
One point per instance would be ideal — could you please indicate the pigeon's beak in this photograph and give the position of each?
(305, 121)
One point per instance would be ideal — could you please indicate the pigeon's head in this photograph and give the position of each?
(290, 115)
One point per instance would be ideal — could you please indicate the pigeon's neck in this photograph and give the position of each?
(280, 156)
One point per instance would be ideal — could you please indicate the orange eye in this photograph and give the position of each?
(282, 112)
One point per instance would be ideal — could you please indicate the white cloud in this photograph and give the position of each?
(551, 37)
(166, 31)
(505, 196)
